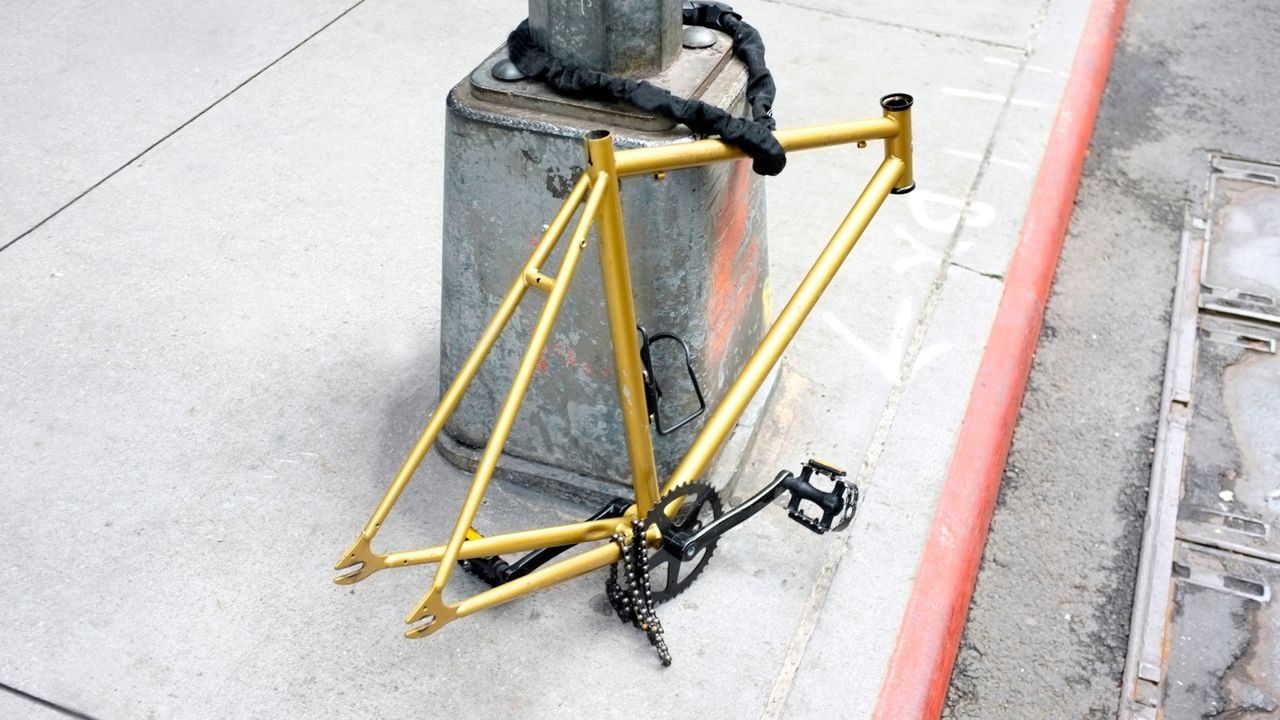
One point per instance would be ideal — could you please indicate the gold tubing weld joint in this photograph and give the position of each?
(534, 278)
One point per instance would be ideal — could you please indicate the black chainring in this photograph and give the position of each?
(668, 574)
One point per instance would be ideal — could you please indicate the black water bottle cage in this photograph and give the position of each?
(653, 391)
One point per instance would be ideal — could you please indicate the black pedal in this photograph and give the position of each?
(837, 504)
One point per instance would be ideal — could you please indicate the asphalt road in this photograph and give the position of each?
(1048, 625)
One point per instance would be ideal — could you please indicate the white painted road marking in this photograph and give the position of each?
(992, 97)
(975, 214)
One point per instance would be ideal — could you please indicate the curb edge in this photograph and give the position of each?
(919, 671)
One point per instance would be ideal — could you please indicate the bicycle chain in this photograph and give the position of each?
(632, 598)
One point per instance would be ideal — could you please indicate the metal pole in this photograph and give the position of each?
(638, 38)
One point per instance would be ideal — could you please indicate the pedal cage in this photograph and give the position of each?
(838, 504)
(653, 391)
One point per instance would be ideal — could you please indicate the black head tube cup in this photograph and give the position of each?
(896, 102)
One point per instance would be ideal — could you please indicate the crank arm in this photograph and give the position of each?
(837, 506)
(687, 546)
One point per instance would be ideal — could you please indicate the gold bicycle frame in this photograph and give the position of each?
(597, 194)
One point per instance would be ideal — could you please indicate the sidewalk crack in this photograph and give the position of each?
(45, 703)
(993, 276)
(897, 26)
(178, 129)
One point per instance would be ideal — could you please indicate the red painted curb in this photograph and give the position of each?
(919, 673)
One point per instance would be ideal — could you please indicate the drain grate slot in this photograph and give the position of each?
(1204, 627)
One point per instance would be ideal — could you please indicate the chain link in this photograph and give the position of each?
(632, 596)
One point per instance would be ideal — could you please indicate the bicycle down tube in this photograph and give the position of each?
(596, 201)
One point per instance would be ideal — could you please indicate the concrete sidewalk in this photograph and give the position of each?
(218, 337)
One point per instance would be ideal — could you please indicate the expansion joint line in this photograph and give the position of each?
(47, 704)
(896, 26)
(178, 129)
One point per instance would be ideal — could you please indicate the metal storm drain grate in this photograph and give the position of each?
(1205, 639)
(1241, 274)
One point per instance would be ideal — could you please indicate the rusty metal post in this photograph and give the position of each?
(699, 260)
(620, 37)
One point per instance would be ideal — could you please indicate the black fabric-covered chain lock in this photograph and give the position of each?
(753, 135)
